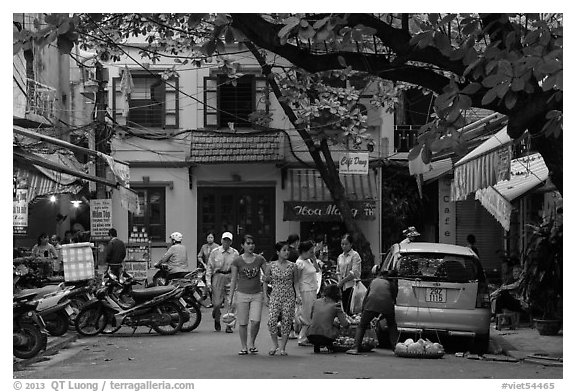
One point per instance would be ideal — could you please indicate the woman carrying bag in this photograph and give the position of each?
(348, 269)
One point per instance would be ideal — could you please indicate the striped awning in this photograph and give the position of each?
(484, 166)
(307, 185)
(41, 185)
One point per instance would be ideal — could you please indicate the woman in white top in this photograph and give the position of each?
(307, 286)
(348, 269)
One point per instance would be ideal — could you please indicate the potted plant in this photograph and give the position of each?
(542, 278)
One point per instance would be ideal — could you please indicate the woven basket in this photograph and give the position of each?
(412, 354)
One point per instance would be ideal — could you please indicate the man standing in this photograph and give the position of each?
(293, 242)
(471, 238)
(115, 252)
(218, 275)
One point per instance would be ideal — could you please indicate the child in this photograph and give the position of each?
(322, 331)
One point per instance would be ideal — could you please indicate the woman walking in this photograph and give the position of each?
(247, 288)
(283, 275)
(348, 269)
(307, 286)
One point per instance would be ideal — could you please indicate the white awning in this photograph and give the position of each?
(306, 184)
(484, 166)
(526, 173)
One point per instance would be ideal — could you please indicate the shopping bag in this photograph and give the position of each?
(229, 319)
(358, 294)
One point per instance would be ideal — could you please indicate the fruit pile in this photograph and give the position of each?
(344, 343)
(420, 348)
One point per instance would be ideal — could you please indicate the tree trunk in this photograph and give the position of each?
(326, 167)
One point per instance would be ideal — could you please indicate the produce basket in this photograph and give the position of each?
(409, 354)
(342, 344)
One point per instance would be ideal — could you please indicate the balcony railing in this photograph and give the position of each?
(405, 137)
(41, 99)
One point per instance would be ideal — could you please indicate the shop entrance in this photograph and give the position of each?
(332, 232)
(240, 211)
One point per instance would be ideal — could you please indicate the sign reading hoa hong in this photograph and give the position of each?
(353, 163)
(309, 211)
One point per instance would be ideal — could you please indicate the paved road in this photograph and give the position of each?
(206, 354)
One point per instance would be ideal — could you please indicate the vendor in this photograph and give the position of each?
(508, 296)
(44, 248)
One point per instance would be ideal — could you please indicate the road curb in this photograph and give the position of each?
(52, 347)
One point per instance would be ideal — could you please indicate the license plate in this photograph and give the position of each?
(182, 302)
(437, 295)
(69, 310)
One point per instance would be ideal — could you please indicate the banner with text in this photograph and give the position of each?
(100, 218)
(309, 211)
(353, 163)
(20, 209)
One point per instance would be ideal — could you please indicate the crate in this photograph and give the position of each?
(78, 261)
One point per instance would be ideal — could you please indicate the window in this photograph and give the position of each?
(151, 213)
(153, 102)
(436, 266)
(226, 103)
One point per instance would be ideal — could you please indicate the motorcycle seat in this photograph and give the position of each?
(38, 292)
(151, 292)
(23, 297)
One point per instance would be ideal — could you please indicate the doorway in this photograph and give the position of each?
(239, 210)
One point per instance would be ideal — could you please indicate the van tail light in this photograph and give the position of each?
(483, 296)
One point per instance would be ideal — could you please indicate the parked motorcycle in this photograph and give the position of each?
(118, 304)
(28, 329)
(192, 284)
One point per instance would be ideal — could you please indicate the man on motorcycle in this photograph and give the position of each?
(176, 258)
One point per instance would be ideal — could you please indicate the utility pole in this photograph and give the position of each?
(100, 134)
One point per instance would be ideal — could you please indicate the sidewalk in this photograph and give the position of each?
(54, 345)
(527, 344)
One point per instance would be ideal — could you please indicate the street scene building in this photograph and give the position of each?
(159, 130)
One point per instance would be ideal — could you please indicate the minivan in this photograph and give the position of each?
(442, 291)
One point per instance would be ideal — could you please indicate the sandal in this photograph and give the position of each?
(273, 351)
(243, 352)
(283, 353)
(253, 350)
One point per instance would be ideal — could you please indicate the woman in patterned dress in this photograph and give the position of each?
(282, 275)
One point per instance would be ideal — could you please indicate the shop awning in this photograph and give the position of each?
(484, 166)
(526, 173)
(310, 200)
(307, 184)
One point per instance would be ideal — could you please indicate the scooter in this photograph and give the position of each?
(29, 333)
(117, 304)
(192, 284)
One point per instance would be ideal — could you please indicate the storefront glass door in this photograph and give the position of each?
(240, 211)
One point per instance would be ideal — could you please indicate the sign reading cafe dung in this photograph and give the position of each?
(353, 163)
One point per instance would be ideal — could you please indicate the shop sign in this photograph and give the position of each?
(309, 211)
(100, 218)
(138, 269)
(446, 212)
(353, 163)
(20, 212)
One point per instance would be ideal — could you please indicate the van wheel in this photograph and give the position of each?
(481, 343)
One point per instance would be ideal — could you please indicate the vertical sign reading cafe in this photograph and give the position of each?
(446, 213)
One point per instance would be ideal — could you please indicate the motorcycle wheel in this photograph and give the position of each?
(195, 315)
(35, 341)
(90, 321)
(57, 323)
(177, 315)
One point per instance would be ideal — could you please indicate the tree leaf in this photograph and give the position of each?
(319, 23)
(290, 24)
(342, 61)
(414, 152)
(517, 84)
(489, 96)
(510, 100)
(306, 33)
(471, 89)
(494, 80)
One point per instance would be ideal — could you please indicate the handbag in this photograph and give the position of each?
(229, 319)
(357, 298)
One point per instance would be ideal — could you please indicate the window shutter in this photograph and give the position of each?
(210, 101)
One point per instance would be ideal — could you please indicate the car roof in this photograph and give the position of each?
(433, 247)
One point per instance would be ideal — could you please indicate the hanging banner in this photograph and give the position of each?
(20, 212)
(100, 218)
(446, 213)
(353, 163)
(310, 211)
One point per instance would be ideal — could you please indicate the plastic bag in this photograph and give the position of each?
(358, 294)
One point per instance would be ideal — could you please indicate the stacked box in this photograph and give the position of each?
(78, 261)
